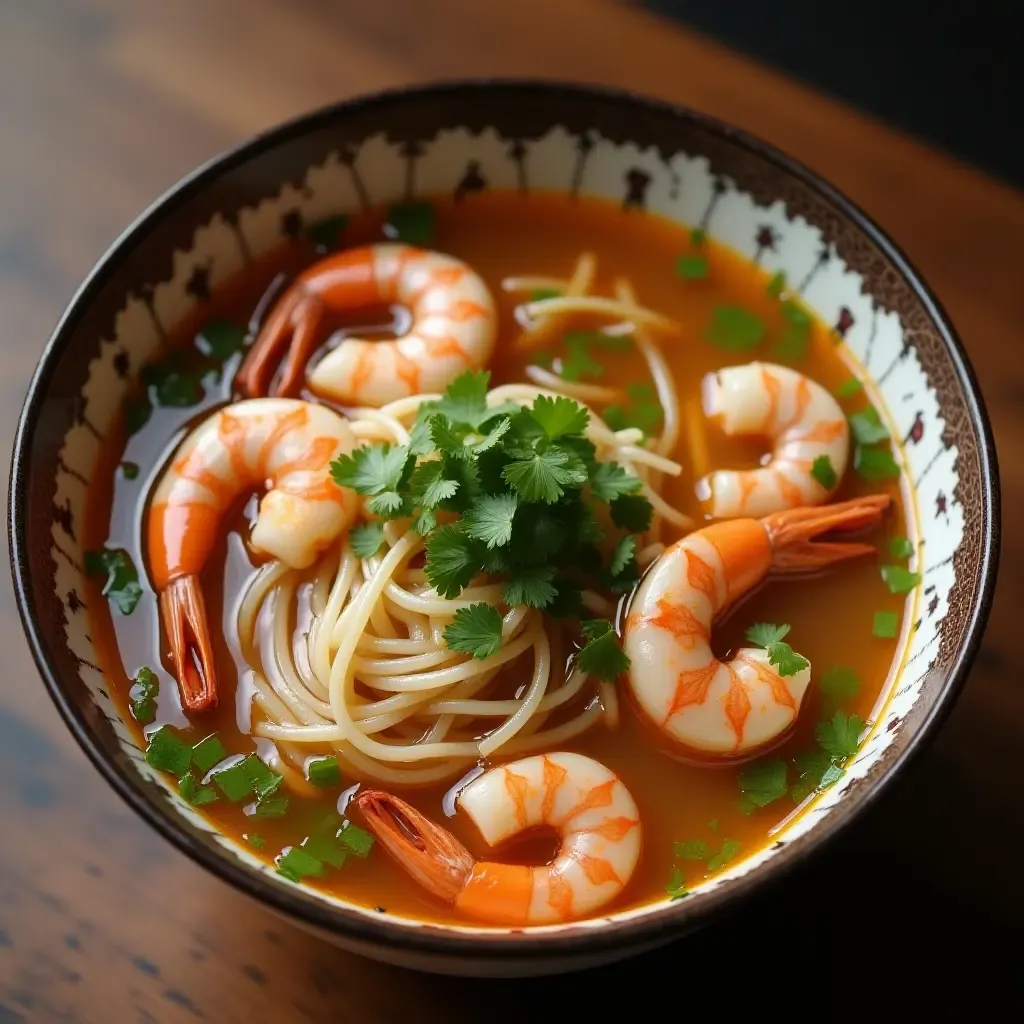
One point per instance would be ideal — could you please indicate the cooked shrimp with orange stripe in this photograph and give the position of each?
(449, 546)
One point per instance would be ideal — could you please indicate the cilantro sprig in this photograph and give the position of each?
(781, 655)
(511, 491)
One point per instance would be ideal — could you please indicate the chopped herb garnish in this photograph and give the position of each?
(762, 783)
(692, 268)
(602, 656)
(632, 512)
(815, 770)
(730, 847)
(695, 849)
(297, 864)
(713, 824)
(136, 415)
(875, 463)
(263, 779)
(358, 840)
(207, 753)
(578, 362)
(540, 294)
(258, 842)
(376, 471)
(412, 223)
(233, 782)
(867, 427)
(698, 236)
(475, 630)
(900, 580)
(777, 284)
(643, 412)
(142, 696)
(187, 787)
(848, 388)
(885, 625)
(130, 470)
(840, 683)
(489, 519)
(531, 586)
(840, 735)
(204, 795)
(823, 471)
(781, 655)
(324, 772)
(676, 887)
(367, 540)
(326, 848)
(326, 233)
(173, 383)
(271, 807)
(196, 795)
(168, 752)
(797, 335)
(900, 547)
(221, 339)
(735, 329)
(122, 586)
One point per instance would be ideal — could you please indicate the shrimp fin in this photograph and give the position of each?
(431, 855)
(793, 533)
(184, 614)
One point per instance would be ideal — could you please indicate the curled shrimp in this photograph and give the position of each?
(583, 801)
(800, 418)
(728, 708)
(281, 444)
(453, 327)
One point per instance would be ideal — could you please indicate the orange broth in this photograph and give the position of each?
(502, 234)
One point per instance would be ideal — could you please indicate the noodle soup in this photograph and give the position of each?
(365, 698)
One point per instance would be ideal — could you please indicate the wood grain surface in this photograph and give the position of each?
(103, 105)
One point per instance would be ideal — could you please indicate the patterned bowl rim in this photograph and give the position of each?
(673, 919)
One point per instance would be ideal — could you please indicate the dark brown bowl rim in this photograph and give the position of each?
(649, 929)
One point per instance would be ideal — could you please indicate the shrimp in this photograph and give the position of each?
(588, 806)
(727, 709)
(803, 422)
(282, 444)
(453, 327)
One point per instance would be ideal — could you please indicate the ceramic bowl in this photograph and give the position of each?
(465, 137)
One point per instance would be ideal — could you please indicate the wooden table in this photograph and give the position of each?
(103, 105)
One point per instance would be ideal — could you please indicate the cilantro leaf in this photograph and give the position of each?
(811, 768)
(643, 412)
(823, 471)
(567, 603)
(900, 547)
(453, 559)
(412, 223)
(559, 416)
(425, 522)
(220, 339)
(848, 388)
(867, 427)
(578, 360)
(632, 512)
(899, 580)
(730, 847)
(885, 625)
(875, 463)
(777, 285)
(366, 540)
(785, 659)
(735, 329)
(373, 469)
(624, 555)
(475, 630)
(602, 656)
(387, 505)
(446, 438)
(676, 887)
(695, 849)
(489, 519)
(543, 475)
(493, 436)
(762, 783)
(430, 486)
(539, 532)
(531, 586)
(610, 481)
(840, 683)
(465, 401)
(764, 633)
(122, 587)
(840, 736)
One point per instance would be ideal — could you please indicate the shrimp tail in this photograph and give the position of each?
(793, 533)
(293, 326)
(184, 615)
(431, 855)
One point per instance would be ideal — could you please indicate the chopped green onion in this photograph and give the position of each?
(187, 787)
(324, 772)
(204, 795)
(848, 388)
(875, 463)
(823, 471)
(358, 840)
(142, 696)
(208, 752)
(868, 427)
(692, 268)
(899, 580)
(540, 294)
(886, 625)
(258, 842)
(326, 849)
(777, 284)
(233, 782)
(271, 807)
(735, 329)
(698, 237)
(900, 547)
(263, 780)
(296, 864)
(168, 752)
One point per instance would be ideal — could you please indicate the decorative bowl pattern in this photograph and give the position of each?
(462, 139)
